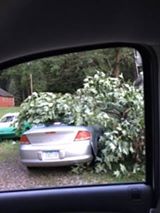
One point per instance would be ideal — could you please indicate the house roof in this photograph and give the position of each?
(5, 93)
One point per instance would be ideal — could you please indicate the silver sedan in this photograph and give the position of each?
(59, 145)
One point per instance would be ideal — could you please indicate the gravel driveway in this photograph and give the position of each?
(14, 175)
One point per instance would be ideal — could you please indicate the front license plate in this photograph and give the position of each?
(49, 155)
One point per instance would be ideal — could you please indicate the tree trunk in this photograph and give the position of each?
(31, 83)
(116, 69)
(135, 67)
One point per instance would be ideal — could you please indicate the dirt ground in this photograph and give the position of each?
(14, 175)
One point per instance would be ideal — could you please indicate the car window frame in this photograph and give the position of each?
(151, 78)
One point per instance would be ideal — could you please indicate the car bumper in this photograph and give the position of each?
(65, 155)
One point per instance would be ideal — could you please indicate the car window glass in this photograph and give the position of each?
(7, 119)
(81, 120)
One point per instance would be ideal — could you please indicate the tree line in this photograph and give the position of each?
(65, 73)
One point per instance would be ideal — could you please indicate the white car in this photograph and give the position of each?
(7, 127)
(8, 119)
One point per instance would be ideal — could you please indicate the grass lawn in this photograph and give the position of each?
(8, 149)
(4, 110)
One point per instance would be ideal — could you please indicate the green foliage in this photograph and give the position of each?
(109, 102)
(119, 108)
(45, 108)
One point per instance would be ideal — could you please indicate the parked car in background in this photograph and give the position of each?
(59, 145)
(7, 127)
